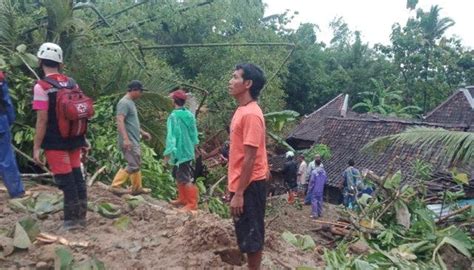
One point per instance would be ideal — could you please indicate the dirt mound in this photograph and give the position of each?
(296, 218)
(156, 237)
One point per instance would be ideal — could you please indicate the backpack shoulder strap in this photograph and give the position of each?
(44, 84)
(71, 84)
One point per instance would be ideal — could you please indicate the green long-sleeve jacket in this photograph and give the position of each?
(181, 136)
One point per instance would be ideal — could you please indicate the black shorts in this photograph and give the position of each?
(184, 172)
(250, 226)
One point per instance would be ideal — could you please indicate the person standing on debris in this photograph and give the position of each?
(129, 132)
(312, 165)
(181, 142)
(290, 171)
(8, 166)
(352, 178)
(248, 164)
(62, 144)
(301, 180)
(316, 187)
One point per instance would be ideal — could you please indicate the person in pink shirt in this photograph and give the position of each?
(62, 154)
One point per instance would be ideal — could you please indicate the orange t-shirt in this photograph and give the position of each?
(247, 128)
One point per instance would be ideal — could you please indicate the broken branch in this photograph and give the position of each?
(30, 159)
(96, 174)
(465, 208)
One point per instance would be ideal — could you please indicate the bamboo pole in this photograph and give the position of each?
(31, 159)
(339, 224)
(213, 45)
(213, 187)
(154, 18)
(101, 22)
(35, 175)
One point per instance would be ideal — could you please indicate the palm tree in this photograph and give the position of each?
(432, 29)
(457, 146)
(432, 25)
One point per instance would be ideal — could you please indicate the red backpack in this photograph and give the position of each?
(73, 107)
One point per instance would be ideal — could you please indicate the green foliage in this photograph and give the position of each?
(459, 177)
(303, 242)
(385, 101)
(63, 258)
(216, 206)
(336, 258)
(122, 223)
(280, 141)
(318, 149)
(108, 210)
(458, 146)
(402, 232)
(422, 169)
(134, 201)
(20, 238)
(277, 120)
(394, 181)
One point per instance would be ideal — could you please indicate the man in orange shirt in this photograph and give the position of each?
(248, 165)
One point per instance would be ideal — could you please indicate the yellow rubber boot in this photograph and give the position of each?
(181, 200)
(137, 188)
(120, 178)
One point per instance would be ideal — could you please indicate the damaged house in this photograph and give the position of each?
(346, 132)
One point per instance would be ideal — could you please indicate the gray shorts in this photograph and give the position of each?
(184, 172)
(133, 158)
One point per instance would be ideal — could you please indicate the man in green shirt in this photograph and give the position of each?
(129, 132)
(181, 139)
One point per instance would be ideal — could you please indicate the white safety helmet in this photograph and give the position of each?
(289, 154)
(50, 51)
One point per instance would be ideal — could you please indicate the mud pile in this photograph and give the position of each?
(152, 235)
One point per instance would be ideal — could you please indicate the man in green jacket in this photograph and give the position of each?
(181, 139)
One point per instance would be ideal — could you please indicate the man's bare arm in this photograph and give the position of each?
(41, 124)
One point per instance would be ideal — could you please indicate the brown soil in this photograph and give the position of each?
(159, 237)
(296, 218)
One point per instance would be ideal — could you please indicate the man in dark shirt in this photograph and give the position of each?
(290, 173)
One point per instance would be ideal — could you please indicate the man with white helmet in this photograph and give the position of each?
(290, 174)
(62, 151)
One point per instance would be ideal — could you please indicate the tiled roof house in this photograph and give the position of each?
(346, 132)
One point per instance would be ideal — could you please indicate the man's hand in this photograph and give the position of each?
(37, 156)
(146, 135)
(237, 205)
(127, 144)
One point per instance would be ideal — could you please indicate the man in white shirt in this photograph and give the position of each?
(301, 180)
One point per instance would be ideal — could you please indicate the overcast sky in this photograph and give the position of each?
(374, 18)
